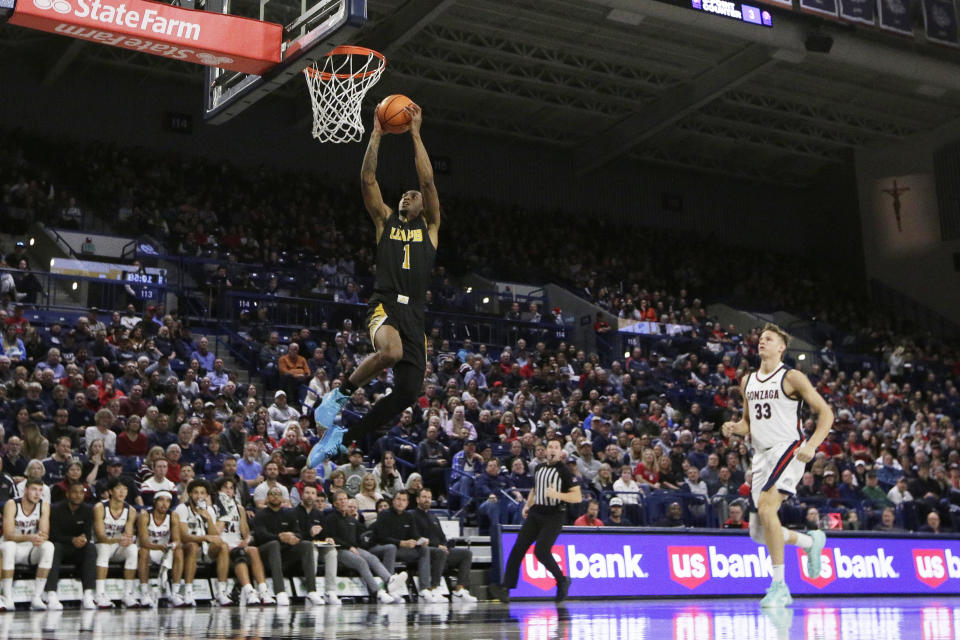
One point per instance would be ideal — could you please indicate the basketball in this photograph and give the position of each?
(391, 113)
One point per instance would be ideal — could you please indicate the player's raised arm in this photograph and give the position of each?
(372, 197)
(798, 383)
(428, 190)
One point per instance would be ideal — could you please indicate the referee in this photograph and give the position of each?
(544, 513)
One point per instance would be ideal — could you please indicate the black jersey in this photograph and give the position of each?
(405, 258)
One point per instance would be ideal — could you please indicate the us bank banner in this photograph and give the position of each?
(615, 562)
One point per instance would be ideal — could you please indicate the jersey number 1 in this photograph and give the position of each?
(406, 256)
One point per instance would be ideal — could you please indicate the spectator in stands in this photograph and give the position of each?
(71, 532)
(308, 478)
(113, 524)
(294, 370)
(875, 495)
(434, 461)
(888, 521)
(280, 414)
(234, 438)
(933, 524)
(368, 497)
(203, 355)
(493, 503)
(848, 489)
(132, 441)
(673, 516)
(812, 519)
(736, 521)
(626, 487)
(616, 517)
(586, 463)
(387, 475)
(55, 467)
(271, 473)
(603, 481)
(156, 482)
(103, 421)
(590, 518)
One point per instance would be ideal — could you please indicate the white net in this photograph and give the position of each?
(337, 85)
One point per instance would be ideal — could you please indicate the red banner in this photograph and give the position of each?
(213, 39)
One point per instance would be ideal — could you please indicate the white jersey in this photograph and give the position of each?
(24, 524)
(196, 523)
(159, 533)
(115, 526)
(774, 416)
(228, 512)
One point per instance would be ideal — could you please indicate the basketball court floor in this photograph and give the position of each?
(881, 618)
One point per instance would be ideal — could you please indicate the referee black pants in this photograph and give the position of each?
(542, 529)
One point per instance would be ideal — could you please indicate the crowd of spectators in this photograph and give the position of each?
(636, 427)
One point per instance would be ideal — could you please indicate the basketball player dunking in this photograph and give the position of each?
(406, 249)
(773, 399)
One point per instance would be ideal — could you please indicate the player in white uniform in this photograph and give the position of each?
(113, 526)
(26, 533)
(773, 398)
(235, 532)
(201, 539)
(159, 535)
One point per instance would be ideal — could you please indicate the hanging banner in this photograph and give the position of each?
(864, 11)
(940, 18)
(820, 7)
(897, 16)
(212, 39)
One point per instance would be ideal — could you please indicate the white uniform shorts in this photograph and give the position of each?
(25, 553)
(127, 555)
(776, 467)
(161, 558)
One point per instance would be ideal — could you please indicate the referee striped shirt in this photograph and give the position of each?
(557, 476)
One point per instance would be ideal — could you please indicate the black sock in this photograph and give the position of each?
(348, 388)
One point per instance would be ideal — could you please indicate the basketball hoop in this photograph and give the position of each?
(337, 85)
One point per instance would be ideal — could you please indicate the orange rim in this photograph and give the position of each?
(348, 50)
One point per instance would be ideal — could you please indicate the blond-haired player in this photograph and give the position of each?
(773, 400)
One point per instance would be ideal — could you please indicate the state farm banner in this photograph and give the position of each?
(864, 11)
(940, 19)
(213, 39)
(897, 15)
(615, 562)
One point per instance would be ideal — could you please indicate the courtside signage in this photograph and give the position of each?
(202, 37)
(635, 563)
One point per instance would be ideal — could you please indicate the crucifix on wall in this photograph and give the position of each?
(895, 192)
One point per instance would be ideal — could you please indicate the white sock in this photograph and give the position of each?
(38, 585)
(221, 588)
(144, 587)
(88, 593)
(131, 586)
(778, 573)
(101, 587)
(804, 541)
(262, 587)
(8, 589)
(188, 590)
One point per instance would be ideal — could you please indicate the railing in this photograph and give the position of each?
(920, 314)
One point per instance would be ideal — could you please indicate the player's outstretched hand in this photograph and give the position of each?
(806, 452)
(416, 117)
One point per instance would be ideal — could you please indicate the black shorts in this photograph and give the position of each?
(239, 556)
(382, 310)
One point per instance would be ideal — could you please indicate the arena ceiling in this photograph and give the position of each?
(610, 79)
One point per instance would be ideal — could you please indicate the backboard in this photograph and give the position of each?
(310, 29)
